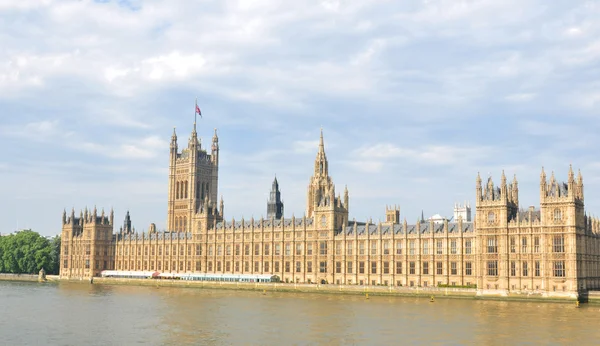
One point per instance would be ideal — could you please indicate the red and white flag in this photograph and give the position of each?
(198, 111)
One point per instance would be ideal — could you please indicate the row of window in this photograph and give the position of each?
(558, 244)
(182, 187)
(78, 264)
(558, 268)
(256, 249)
(77, 249)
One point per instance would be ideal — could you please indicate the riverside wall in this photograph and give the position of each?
(26, 277)
(301, 288)
(424, 292)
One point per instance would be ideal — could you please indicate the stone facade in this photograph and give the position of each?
(552, 251)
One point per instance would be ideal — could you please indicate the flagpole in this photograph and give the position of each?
(195, 114)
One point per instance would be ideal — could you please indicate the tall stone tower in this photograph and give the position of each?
(193, 181)
(562, 210)
(327, 210)
(86, 244)
(495, 207)
(329, 214)
(275, 204)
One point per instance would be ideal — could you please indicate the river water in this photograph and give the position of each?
(78, 314)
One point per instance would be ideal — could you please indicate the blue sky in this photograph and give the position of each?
(415, 98)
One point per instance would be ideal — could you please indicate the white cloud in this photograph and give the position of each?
(427, 91)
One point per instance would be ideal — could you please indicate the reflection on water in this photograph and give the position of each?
(72, 314)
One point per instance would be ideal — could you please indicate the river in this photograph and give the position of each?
(76, 314)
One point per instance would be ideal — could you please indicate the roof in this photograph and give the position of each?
(264, 223)
(373, 229)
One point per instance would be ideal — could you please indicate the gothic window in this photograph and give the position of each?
(177, 190)
(513, 268)
(559, 269)
(323, 248)
(492, 268)
(492, 245)
(491, 217)
(557, 214)
(467, 247)
(186, 189)
(558, 243)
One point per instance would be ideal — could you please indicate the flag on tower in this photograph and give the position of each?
(198, 110)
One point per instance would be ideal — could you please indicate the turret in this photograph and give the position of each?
(543, 184)
(321, 164)
(174, 143)
(503, 187)
(571, 183)
(215, 148)
(478, 189)
(346, 198)
(515, 190)
(64, 217)
(222, 207)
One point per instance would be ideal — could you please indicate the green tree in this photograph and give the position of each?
(25, 252)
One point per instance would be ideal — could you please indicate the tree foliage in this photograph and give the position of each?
(27, 252)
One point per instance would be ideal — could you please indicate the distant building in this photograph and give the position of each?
(462, 211)
(437, 218)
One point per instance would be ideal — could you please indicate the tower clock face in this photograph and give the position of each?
(323, 221)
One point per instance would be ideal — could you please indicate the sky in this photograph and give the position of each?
(414, 98)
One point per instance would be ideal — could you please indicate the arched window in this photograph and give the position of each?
(491, 217)
(186, 189)
(557, 214)
(184, 224)
(177, 190)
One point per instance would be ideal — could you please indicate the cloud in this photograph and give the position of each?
(411, 95)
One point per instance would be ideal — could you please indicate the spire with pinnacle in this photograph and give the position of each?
(321, 164)
(275, 204)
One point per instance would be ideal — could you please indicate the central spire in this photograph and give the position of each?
(321, 169)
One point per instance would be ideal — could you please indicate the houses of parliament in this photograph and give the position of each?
(553, 250)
